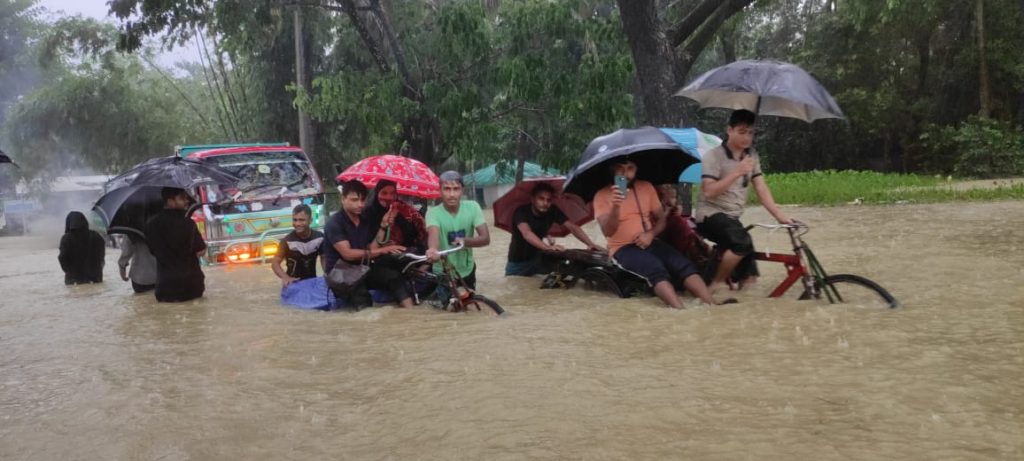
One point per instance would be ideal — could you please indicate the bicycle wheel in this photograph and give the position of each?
(599, 279)
(854, 289)
(483, 303)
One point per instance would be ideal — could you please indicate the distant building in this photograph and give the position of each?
(74, 193)
(491, 182)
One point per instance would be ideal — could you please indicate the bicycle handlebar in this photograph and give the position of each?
(797, 229)
(796, 225)
(419, 258)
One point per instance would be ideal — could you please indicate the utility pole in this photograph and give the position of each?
(301, 79)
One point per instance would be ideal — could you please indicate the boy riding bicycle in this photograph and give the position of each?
(727, 172)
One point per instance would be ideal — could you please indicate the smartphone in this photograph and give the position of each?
(620, 182)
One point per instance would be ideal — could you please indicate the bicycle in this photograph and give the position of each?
(802, 265)
(460, 297)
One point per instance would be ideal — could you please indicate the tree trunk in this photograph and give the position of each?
(1020, 108)
(302, 80)
(659, 69)
(653, 60)
(984, 92)
(727, 39)
(691, 37)
(924, 55)
(522, 148)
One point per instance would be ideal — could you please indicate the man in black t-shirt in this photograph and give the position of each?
(299, 249)
(350, 238)
(531, 223)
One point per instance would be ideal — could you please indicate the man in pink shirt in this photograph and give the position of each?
(630, 223)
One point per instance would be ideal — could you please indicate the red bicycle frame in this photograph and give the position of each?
(794, 270)
(800, 265)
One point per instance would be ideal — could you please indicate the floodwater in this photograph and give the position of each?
(94, 372)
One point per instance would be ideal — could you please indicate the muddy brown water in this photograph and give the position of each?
(94, 372)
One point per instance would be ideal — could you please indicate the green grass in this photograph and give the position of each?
(832, 187)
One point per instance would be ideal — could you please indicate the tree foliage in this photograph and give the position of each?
(529, 80)
(19, 26)
(899, 69)
(461, 83)
(100, 111)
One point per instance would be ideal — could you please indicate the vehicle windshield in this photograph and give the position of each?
(264, 175)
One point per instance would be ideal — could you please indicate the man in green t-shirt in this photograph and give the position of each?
(455, 221)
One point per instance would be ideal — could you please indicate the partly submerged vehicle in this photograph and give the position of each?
(244, 223)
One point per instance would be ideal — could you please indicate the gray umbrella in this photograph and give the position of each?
(765, 87)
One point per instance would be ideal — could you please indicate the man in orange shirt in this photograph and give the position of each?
(630, 223)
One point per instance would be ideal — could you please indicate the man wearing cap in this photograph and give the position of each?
(456, 221)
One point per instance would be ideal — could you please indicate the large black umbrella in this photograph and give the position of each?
(658, 158)
(765, 87)
(134, 196)
(126, 209)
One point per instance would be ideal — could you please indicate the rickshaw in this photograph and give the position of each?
(599, 271)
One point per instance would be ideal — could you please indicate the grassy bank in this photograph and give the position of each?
(842, 187)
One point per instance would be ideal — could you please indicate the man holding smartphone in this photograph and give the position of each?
(728, 171)
(630, 216)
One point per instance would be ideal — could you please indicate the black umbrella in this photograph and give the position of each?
(658, 158)
(134, 196)
(765, 87)
(173, 171)
(126, 209)
(5, 159)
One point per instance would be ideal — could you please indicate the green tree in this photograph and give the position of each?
(101, 111)
(19, 25)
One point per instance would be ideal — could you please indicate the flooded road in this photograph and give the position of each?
(94, 372)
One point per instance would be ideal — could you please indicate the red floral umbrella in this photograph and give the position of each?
(412, 176)
(572, 205)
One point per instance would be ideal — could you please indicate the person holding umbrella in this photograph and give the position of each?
(397, 222)
(617, 171)
(531, 223)
(751, 87)
(350, 241)
(631, 216)
(728, 171)
(176, 243)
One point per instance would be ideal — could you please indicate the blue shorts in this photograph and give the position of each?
(657, 263)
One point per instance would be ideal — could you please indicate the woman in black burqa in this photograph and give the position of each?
(82, 251)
